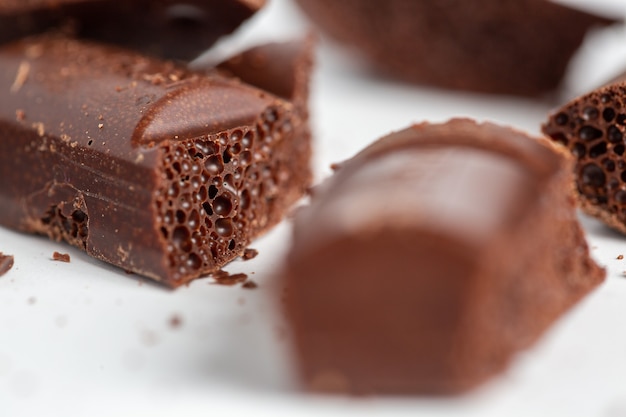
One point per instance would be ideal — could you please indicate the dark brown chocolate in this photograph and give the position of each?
(593, 128)
(161, 171)
(6, 263)
(428, 260)
(166, 28)
(517, 47)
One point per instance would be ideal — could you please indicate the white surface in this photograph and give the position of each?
(85, 339)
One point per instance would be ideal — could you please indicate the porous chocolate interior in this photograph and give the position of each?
(217, 192)
(593, 128)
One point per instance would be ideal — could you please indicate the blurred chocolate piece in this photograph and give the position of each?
(431, 258)
(6, 263)
(517, 47)
(161, 171)
(593, 128)
(166, 28)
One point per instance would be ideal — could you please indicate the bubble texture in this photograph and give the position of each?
(220, 190)
(593, 128)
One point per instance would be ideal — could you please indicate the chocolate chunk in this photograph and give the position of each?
(167, 28)
(432, 257)
(61, 257)
(161, 171)
(6, 263)
(515, 47)
(598, 145)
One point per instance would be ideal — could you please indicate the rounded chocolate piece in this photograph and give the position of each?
(433, 256)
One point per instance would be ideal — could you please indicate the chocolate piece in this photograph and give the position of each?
(516, 47)
(167, 28)
(593, 128)
(164, 172)
(61, 257)
(432, 257)
(284, 69)
(6, 263)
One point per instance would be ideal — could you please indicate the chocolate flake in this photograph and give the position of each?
(620, 257)
(250, 285)
(222, 277)
(249, 254)
(61, 257)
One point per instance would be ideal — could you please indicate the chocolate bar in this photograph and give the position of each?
(431, 258)
(144, 164)
(593, 128)
(166, 28)
(517, 47)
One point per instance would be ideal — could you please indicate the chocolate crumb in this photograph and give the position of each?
(175, 321)
(335, 166)
(61, 257)
(222, 277)
(249, 254)
(620, 257)
(250, 285)
(6, 263)
(32, 300)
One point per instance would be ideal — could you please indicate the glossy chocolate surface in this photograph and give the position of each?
(143, 164)
(165, 28)
(429, 259)
(283, 69)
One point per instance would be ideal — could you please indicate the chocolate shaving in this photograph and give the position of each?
(61, 257)
(6, 263)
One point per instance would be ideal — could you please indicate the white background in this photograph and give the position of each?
(85, 339)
